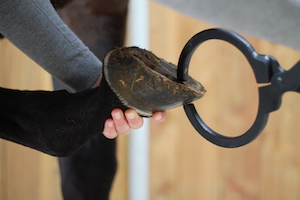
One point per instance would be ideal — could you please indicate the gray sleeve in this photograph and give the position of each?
(273, 20)
(34, 27)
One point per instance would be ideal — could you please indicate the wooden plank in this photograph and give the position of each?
(183, 164)
(26, 174)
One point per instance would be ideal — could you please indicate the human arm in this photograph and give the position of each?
(35, 28)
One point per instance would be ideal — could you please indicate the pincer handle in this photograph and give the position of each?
(263, 68)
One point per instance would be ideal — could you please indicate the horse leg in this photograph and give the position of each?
(100, 24)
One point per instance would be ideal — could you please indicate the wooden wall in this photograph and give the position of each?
(186, 166)
(183, 164)
(25, 173)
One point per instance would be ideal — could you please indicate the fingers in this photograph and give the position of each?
(122, 127)
(134, 120)
(109, 129)
(122, 122)
(159, 116)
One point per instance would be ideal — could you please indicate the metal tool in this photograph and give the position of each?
(266, 70)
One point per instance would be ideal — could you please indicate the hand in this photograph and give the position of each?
(122, 123)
